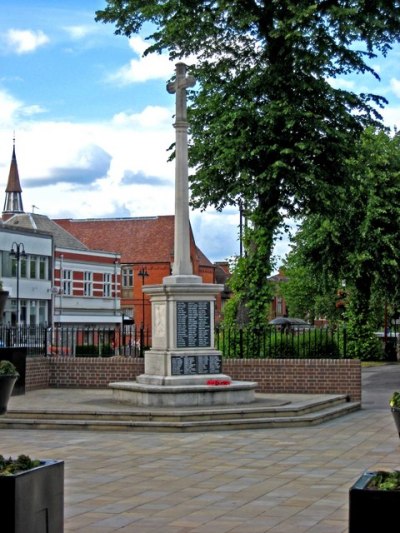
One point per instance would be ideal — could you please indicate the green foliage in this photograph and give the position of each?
(248, 283)
(356, 240)
(93, 350)
(383, 480)
(7, 368)
(10, 466)
(267, 127)
(271, 343)
(87, 350)
(395, 400)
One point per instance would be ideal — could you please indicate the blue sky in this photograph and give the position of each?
(93, 119)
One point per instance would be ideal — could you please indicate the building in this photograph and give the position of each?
(146, 247)
(86, 283)
(278, 303)
(26, 272)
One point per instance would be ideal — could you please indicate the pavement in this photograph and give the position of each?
(287, 480)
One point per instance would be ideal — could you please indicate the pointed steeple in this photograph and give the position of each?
(13, 200)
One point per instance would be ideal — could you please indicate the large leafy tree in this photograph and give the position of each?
(267, 127)
(358, 243)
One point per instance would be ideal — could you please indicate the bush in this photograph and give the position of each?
(87, 350)
(92, 350)
(273, 343)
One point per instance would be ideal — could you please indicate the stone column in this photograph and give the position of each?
(182, 266)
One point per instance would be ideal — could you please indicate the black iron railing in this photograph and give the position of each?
(273, 342)
(261, 342)
(77, 341)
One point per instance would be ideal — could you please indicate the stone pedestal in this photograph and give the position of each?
(183, 368)
(182, 333)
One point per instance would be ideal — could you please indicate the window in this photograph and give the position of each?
(127, 277)
(42, 267)
(32, 266)
(42, 312)
(87, 283)
(67, 282)
(32, 313)
(14, 267)
(23, 267)
(107, 285)
(279, 306)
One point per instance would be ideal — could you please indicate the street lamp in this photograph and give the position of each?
(17, 251)
(143, 274)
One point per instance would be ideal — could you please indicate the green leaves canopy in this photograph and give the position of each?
(267, 127)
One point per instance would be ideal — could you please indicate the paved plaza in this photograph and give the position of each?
(290, 480)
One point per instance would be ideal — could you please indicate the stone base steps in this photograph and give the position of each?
(261, 415)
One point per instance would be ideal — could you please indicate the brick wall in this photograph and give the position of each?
(92, 372)
(309, 376)
(37, 375)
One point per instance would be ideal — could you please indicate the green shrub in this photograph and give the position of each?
(92, 350)
(273, 343)
(87, 350)
(11, 466)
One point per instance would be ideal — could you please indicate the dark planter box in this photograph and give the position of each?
(33, 501)
(396, 418)
(17, 356)
(371, 510)
(6, 386)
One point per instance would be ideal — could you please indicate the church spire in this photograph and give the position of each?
(13, 200)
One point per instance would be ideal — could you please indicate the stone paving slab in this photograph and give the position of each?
(102, 399)
(286, 480)
(276, 480)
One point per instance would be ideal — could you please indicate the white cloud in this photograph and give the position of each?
(150, 117)
(12, 109)
(391, 116)
(395, 86)
(79, 32)
(341, 83)
(25, 41)
(31, 110)
(146, 68)
(9, 107)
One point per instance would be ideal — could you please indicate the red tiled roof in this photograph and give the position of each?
(138, 240)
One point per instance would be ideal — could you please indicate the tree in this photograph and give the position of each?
(357, 239)
(267, 127)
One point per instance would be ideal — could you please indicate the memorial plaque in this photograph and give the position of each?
(215, 364)
(193, 324)
(177, 366)
(187, 365)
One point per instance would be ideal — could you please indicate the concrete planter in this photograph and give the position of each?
(33, 501)
(372, 510)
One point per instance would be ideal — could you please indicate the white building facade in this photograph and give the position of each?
(27, 275)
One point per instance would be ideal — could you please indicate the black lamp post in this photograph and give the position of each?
(17, 251)
(143, 274)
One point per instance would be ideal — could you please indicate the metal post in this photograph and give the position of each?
(17, 251)
(143, 274)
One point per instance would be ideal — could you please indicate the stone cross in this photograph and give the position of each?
(182, 265)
